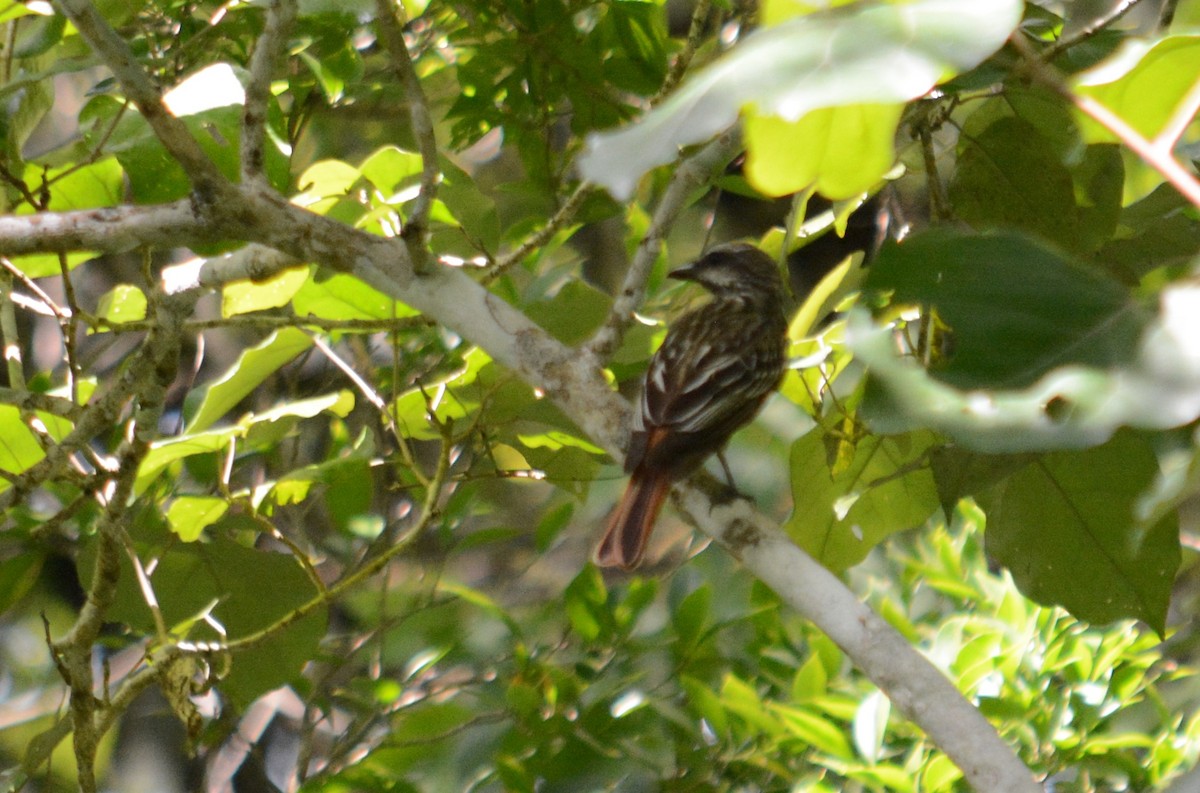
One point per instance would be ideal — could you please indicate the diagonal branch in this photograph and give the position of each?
(112, 49)
(268, 52)
(689, 175)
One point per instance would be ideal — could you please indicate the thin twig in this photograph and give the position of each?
(565, 214)
(1091, 29)
(268, 54)
(376, 400)
(691, 173)
(700, 16)
(428, 513)
(10, 340)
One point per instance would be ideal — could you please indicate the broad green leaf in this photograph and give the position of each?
(209, 103)
(17, 577)
(452, 397)
(343, 296)
(244, 589)
(97, 184)
(246, 296)
(389, 168)
(848, 503)
(122, 303)
(188, 516)
(1065, 527)
(1010, 177)
(1144, 84)
(859, 54)
(813, 729)
(841, 151)
(1102, 364)
(691, 616)
(1015, 309)
(573, 313)
(253, 367)
(19, 447)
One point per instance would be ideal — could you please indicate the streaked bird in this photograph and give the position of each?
(717, 365)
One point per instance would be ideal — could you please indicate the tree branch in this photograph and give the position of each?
(112, 49)
(268, 53)
(392, 36)
(689, 174)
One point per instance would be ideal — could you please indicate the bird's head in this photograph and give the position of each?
(735, 270)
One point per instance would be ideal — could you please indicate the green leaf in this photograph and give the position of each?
(1065, 527)
(691, 616)
(245, 590)
(847, 504)
(1011, 177)
(858, 54)
(1102, 364)
(17, 577)
(253, 367)
(343, 296)
(246, 296)
(123, 303)
(19, 447)
(188, 516)
(841, 151)
(209, 102)
(1144, 84)
(1015, 309)
(573, 313)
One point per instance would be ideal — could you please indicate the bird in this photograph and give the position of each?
(714, 370)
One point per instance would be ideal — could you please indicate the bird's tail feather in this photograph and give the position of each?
(628, 530)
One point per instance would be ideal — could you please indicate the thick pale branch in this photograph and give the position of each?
(109, 230)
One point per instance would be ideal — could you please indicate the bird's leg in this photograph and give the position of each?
(731, 486)
(728, 473)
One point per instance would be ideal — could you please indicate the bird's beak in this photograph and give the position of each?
(684, 273)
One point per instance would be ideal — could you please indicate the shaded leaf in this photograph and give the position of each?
(1065, 527)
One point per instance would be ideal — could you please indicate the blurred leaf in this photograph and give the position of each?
(691, 616)
(573, 313)
(17, 577)
(1143, 83)
(188, 516)
(122, 303)
(1015, 309)
(847, 506)
(1065, 527)
(19, 447)
(1011, 177)
(247, 296)
(841, 151)
(861, 54)
(253, 367)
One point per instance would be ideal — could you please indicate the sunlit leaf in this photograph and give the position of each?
(859, 54)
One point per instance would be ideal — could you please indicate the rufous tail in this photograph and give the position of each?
(628, 530)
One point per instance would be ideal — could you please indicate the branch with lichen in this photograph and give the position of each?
(268, 54)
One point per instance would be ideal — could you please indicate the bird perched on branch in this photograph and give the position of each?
(714, 370)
